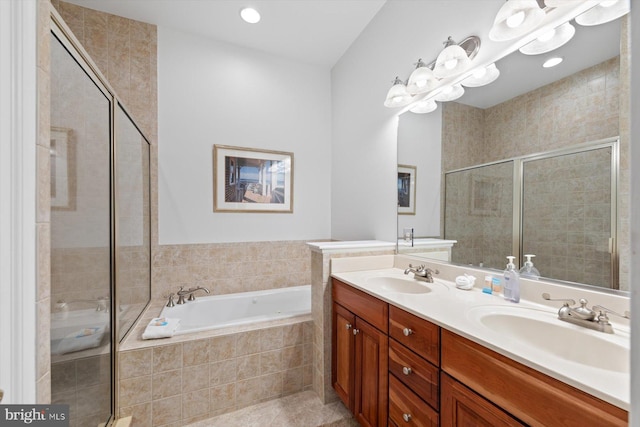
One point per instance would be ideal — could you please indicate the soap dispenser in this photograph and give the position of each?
(511, 287)
(528, 270)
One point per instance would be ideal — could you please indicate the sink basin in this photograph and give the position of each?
(545, 332)
(397, 284)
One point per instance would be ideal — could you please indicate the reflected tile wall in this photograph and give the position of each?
(590, 105)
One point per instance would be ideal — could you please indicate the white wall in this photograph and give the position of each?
(363, 191)
(420, 145)
(210, 92)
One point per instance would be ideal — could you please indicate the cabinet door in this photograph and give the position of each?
(372, 379)
(343, 356)
(461, 406)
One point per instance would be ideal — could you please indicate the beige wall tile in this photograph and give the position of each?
(135, 363)
(167, 357)
(222, 372)
(226, 347)
(195, 352)
(248, 366)
(165, 411)
(166, 384)
(195, 378)
(135, 390)
(223, 396)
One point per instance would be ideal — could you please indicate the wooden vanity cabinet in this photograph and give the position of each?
(360, 353)
(461, 406)
(528, 395)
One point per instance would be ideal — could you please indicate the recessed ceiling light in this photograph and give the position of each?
(250, 15)
(552, 62)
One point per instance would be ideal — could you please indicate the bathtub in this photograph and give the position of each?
(221, 311)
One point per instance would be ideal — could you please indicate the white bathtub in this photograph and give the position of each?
(220, 311)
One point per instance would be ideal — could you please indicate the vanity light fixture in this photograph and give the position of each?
(424, 106)
(250, 15)
(552, 62)
(605, 11)
(482, 76)
(456, 58)
(516, 18)
(449, 93)
(398, 95)
(550, 40)
(422, 79)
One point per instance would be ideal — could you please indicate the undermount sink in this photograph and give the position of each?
(545, 332)
(397, 284)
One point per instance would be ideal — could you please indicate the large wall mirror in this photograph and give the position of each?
(536, 162)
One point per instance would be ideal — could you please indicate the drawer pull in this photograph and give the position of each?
(406, 417)
(407, 332)
(348, 326)
(355, 331)
(406, 370)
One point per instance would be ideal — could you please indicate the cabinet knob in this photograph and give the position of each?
(355, 331)
(407, 332)
(406, 417)
(406, 370)
(348, 326)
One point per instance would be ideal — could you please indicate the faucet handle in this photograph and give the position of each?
(567, 301)
(170, 303)
(601, 309)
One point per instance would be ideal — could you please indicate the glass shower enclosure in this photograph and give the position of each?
(100, 233)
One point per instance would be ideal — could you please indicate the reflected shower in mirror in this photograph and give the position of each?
(521, 115)
(133, 250)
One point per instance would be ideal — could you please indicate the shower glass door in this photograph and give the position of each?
(81, 268)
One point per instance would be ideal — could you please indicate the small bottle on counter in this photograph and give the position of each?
(511, 282)
(496, 285)
(486, 288)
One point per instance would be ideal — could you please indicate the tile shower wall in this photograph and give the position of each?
(43, 203)
(546, 118)
(176, 384)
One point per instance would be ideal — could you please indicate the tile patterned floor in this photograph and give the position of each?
(297, 410)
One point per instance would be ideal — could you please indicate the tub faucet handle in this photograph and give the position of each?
(170, 303)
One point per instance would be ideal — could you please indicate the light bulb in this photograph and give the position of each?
(250, 15)
(516, 19)
(552, 62)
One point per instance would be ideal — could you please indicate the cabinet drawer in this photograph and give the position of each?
(407, 409)
(363, 305)
(529, 395)
(415, 372)
(421, 336)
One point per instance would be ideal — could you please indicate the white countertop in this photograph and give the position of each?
(453, 309)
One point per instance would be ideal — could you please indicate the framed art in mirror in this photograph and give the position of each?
(252, 180)
(406, 190)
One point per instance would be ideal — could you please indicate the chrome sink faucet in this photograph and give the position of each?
(421, 273)
(593, 318)
(190, 293)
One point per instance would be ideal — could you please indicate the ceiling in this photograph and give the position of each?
(312, 31)
(320, 31)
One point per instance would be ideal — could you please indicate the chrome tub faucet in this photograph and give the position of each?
(189, 293)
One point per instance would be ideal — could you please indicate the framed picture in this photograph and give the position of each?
(63, 174)
(252, 180)
(406, 190)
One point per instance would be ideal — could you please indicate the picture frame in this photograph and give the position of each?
(252, 180)
(62, 167)
(407, 189)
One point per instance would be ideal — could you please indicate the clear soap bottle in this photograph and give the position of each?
(528, 270)
(511, 286)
